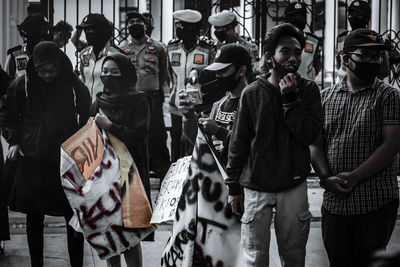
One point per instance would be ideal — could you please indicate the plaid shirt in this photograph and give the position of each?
(353, 130)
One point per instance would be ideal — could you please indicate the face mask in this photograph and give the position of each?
(136, 30)
(96, 39)
(228, 83)
(299, 24)
(365, 71)
(221, 35)
(185, 34)
(112, 84)
(280, 70)
(356, 23)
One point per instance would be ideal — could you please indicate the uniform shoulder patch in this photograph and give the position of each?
(14, 49)
(205, 41)
(173, 42)
(22, 63)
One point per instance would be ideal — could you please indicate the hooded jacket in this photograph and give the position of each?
(129, 112)
(42, 115)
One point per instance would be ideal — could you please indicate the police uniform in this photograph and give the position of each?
(306, 68)
(17, 60)
(182, 62)
(151, 60)
(90, 67)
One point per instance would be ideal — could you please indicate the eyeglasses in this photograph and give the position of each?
(364, 57)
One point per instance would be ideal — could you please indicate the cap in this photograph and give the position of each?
(360, 6)
(136, 15)
(295, 8)
(34, 22)
(94, 20)
(363, 38)
(187, 15)
(222, 19)
(230, 54)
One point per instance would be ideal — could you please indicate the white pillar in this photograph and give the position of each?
(330, 38)
(167, 20)
(381, 17)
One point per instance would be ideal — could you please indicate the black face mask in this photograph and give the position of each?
(185, 34)
(356, 23)
(228, 83)
(365, 71)
(299, 24)
(136, 30)
(96, 39)
(221, 35)
(281, 71)
(112, 84)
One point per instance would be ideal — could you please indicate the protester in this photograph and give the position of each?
(42, 110)
(125, 113)
(356, 158)
(98, 31)
(278, 116)
(62, 33)
(187, 53)
(33, 29)
(296, 14)
(150, 59)
(232, 66)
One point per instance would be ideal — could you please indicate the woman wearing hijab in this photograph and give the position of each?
(42, 112)
(125, 113)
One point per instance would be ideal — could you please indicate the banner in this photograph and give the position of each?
(91, 178)
(170, 191)
(205, 232)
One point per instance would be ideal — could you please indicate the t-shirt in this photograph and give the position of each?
(224, 116)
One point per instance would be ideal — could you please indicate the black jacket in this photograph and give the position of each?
(268, 150)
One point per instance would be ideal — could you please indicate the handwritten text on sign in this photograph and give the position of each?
(170, 191)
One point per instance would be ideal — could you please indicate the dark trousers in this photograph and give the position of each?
(159, 154)
(351, 240)
(34, 231)
(176, 133)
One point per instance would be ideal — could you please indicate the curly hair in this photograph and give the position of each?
(282, 30)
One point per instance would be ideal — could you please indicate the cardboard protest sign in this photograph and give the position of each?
(205, 232)
(97, 198)
(170, 191)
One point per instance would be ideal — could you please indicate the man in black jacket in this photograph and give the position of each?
(279, 116)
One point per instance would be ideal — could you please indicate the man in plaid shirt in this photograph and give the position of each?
(356, 155)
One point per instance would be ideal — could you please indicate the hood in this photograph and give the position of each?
(128, 72)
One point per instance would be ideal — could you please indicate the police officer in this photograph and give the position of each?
(186, 53)
(98, 31)
(358, 15)
(225, 24)
(33, 30)
(150, 60)
(296, 14)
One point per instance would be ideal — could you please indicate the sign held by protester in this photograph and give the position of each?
(105, 191)
(170, 191)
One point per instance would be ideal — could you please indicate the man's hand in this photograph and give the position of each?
(186, 103)
(288, 84)
(350, 178)
(14, 152)
(102, 121)
(234, 202)
(336, 185)
(209, 125)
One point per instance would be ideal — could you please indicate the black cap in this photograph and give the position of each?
(94, 20)
(134, 14)
(295, 8)
(230, 54)
(34, 23)
(363, 38)
(361, 7)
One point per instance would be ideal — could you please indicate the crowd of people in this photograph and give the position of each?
(266, 117)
